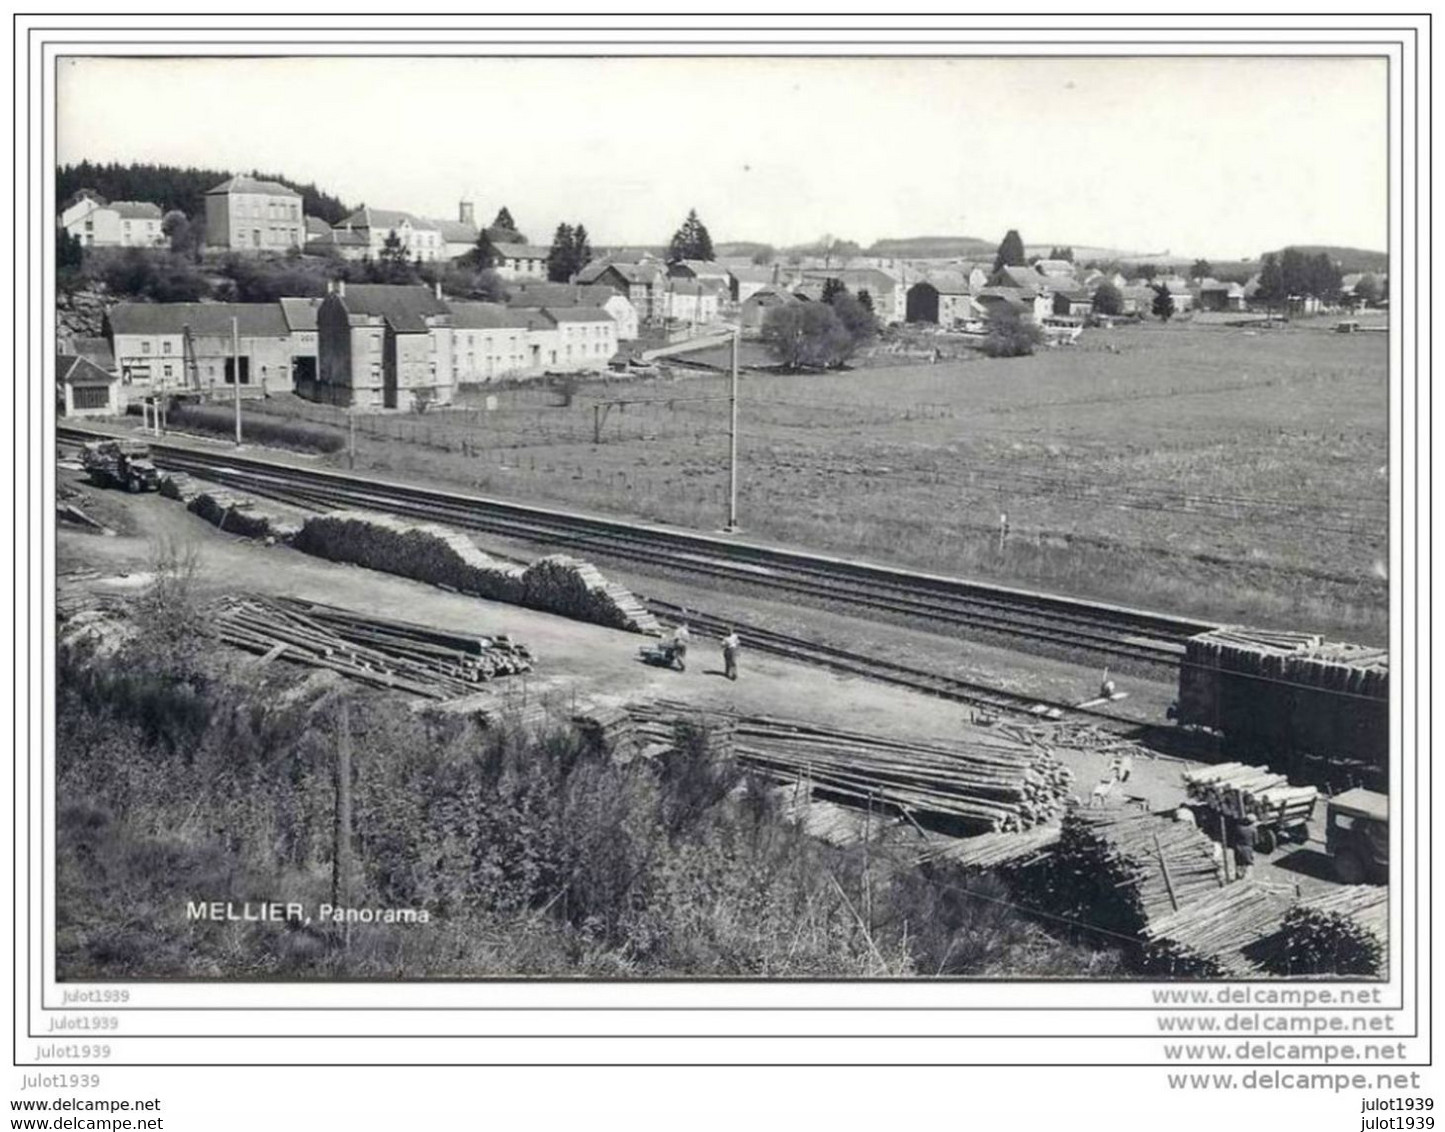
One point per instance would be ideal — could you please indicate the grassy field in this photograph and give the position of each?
(1231, 473)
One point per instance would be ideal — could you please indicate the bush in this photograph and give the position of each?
(806, 336)
(151, 275)
(1011, 337)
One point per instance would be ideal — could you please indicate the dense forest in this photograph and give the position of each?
(173, 187)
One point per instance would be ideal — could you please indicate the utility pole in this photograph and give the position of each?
(341, 836)
(351, 436)
(236, 373)
(733, 439)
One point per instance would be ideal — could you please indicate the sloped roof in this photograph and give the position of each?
(456, 231)
(300, 314)
(338, 238)
(315, 226)
(485, 316)
(522, 251)
(536, 294)
(752, 274)
(1011, 297)
(702, 267)
(1054, 267)
(388, 218)
(71, 369)
(631, 272)
(694, 286)
(252, 185)
(405, 307)
(768, 295)
(578, 314)
(97, 349)
(947, 282)
(136, 209)
(1024, 279)
(253, 320)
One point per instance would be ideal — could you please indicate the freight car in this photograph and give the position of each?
(1317, 711)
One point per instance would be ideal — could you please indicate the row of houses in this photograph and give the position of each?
(371, 346)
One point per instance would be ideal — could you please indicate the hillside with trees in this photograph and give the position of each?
(178, 188)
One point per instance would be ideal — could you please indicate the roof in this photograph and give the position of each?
(70, 369)
(300, 314)
(946, 283)
(96, 349)
(692, 286)
(769, 295)
(752, 274)
(536, 294)
(1054, 267)
(704, 267)
(136, 209)
(315, 226)
(1076, 294)
(578, 314)
(1362, 801)
(522, 251)
(456, 231)
(630, 272)
(485, 316)
(388, 218)
(252, 185)
(339, 238)
(1022, 278)
(405, 307)
(1010, 297)
(253, 320)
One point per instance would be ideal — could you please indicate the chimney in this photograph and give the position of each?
(466, 214)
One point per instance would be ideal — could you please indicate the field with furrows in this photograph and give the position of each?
(1238, 474)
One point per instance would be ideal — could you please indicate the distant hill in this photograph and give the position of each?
(1349, 259)
(174, 187)
(935, 247)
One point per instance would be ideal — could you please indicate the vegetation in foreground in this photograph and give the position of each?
(532, 854)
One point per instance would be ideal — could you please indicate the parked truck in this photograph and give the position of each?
(1357, 836)
(120, 463)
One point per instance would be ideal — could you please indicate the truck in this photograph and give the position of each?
(120, 463)
(1357, 836)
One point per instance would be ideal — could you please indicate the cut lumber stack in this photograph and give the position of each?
(1119, 870)
(608, 730)
(178, 485)
(1343, 932)
(976, 786)
(428, 552)
(392, 654)
(238, 514)
(1292, 693)
(1238, 790)
(1216, 936)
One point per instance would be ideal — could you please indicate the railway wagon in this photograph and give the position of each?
(1314, 709)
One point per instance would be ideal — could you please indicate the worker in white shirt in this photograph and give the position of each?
(680, 639)
(730, 646)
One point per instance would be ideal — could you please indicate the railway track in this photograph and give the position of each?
(1127, 638)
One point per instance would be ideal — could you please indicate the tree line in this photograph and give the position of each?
(178, 188)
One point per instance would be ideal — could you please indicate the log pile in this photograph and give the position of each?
(391, 654)
(1237, 790)
(997, 850)
(230, 511)
(979, 785)
(1217, 936)
(1120, 870)
(667, 725)
(608, 730)
(428, 552)
(1343, 932)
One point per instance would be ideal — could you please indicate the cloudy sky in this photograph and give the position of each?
(1223, 158)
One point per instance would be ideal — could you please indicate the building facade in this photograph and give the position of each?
(194, 347)
(383, 347)
(83, 389)
(521, 261)
(248, 215)
(117, 224)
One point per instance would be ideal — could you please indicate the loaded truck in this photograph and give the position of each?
(1357, 836)
(120, 463)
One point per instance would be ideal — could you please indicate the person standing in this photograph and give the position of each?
(1244, 837)
(730, 646)
(680, 639)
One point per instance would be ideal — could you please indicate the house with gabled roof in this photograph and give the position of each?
(83, 389)
(943, 299)
(489, 342)
(383, 346)
(532, 294)
(251, 215)
(644, 285)
(192, 347)
(421, 238)
(98, 223)
(521, 261)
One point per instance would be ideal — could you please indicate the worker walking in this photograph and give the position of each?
(680, 639)
(730, 646)
(1244, 836)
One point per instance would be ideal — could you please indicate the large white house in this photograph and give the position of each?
(114, 224)
(246, 214)
(421, 238)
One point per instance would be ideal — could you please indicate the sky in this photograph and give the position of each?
(1223, 158)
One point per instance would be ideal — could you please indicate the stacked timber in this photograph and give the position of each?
(1239, 790)
(1120, 870)
(1218, 936)
(428, 552)
(1343, 932)
(238, 514)
(980, 785)
(577, 589)
(608, 730)
(997, 850)
(1291, 692)
(178, 485)
(411, 658)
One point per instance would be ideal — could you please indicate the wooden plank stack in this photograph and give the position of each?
(609, 730)
(416, 659)
(428, 552)
(1120, 870)
(997, 850)
(1290, 692)
(1342, 932)
(1238, 790)
(1216, 936)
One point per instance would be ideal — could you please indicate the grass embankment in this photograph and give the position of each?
(531, 854)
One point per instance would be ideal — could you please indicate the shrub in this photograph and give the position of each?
(1009, 336)
(806, 336)
(301, 436)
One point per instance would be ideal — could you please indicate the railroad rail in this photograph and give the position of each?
(1039, 622)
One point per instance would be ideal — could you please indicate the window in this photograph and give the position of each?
(145, 347)
(166, 370)
(166, 347)
(90, 397)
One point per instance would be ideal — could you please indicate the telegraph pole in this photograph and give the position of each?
(733, 439)
(236, 373)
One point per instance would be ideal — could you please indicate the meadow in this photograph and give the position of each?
(1232, 473)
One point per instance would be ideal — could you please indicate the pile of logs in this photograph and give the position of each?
(1342, 932)
(230, 511)
(1237, 790)
(997, 850)
(666, 725)
(1217, 936)
(442, 556)
(1120, 870)
(1295, 658)
(974, 786)
(411, 658)
(608, 730)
